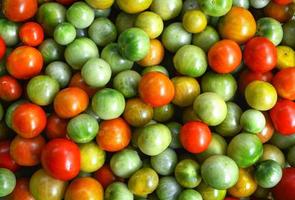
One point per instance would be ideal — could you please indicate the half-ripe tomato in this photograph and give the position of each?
(285, 189)
(28, 120)
(24, 62)
(155, 54)
(21, 190)
(77, 81)
(27, 151)
(56, 127)
(66, 2)
(225, 56)
(267, 132)
(31, 34)
(195, 136)
(69, 102)
(19, 10)
(156, 89)
(10, 88)
(61, 159)
(284, 82)
(260, 54)
(105, 176)
(283, 2)
(113, 135)
(2, 47)
(282, 13)
(6, 160)
(283, 116)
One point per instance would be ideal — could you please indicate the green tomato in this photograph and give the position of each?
(174, 128)
(230, 126)
(190, 60)
(153, 139)
(245, 149)
(271, 29)
(167, 9)
(271, 152)
(7, 182)
(125, 21)
(102, 31)
(187, 173)
(175, 36)
(168, 188)
(215, 8)
(156, 68)
(96, 72)
(163, 113)
(206, 39)
(190, 194)
(259, 4)
(51, 51)
(282, 141)
(220, 172)
(127, 82)
(125, 163)
(242, 3)
(118, 191)
(82, 128)
(80, 51)
(209, 193)
(164, 163)
(268, 174)
(102, 12)
(80, 14)
(59, 71)
(252, 121)
(291, 156)
(289, 32)
(64, 33)
(9, 32)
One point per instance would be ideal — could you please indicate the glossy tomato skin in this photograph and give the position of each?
(56, 127)
(21, 190)
(10, 88)
(285, 190)
(105, 176)
(19, 10)
(195, 136)
(28, 120)
(156, 89)
(283, 116)
(6, 160)
(2, 47)
(260, 54)
(31, 34)
(284, 82)
(24, 62)
(61, 159)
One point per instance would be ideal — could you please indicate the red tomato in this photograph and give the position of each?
(6, 160)
(10, 89)
(61, 159)
(247, 76)
(2, 47)
(156, 89)
(225, 56)
(28, 120)
(285, 189)
(56, 127)
(114, 135)
(283, 116)
(31, 34)
(105, 176)
(69, 102)
(19, 10)
(282, 2)
(195, 136)
(66, 2)
(27, 152)
(77, 81)
(260, 54)
(24, 62)
(21, 190)
(284, 82)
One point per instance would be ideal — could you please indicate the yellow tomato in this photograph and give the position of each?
(134, 6)
(286, 57)
(245, 186)
(100, 4)
(194, 21)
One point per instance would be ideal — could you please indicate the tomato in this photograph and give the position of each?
(209, 193)
(51, 51)
(31, 34)
(69, 102)
(28, 120)
(6, 161)
(271, 152)
(56, 127)
(156, 89)
(2, 47)
(282, 13)
(206, 38)
(77, 81)
(282, 2)
(164, 163)
(268, 173)
(285, 190)
(224, 56)
(284, 82)
(168, 188)
(194, 21)
(163, 113)
(238, 25)
(155, 54)
(187, 173)
(133, 6)
(117, 191)
(21, 190)
(216, 8)
(190, 194)
(267, 132)
(284, 109)
(271, 29)
(105, 176)
(10, 88)
(24, 62)
(61, 159)
(66, 2)
(19, 10)
(7, 182)
(59, 71)
(260, 54)
(252, 121)
(286, 57)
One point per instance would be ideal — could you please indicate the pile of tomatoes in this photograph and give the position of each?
(147, 99)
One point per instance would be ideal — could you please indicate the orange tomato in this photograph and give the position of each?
(282, 13)
(155, 54)
(56, 127)
(77, 81)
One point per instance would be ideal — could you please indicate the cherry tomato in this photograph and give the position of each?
(282, 2)
(10, 88)
(31, 34)
(225, 56)
(113, 135)
(24, 62)
(56, 127)
(71, 101)
(19, 10)
(27, 152)
(28, 120)
(6, 160)
(21, 190)
(77, 81)
(61, 159)
(260, 54)
(155, 54)
(105, 176)
(284, 82)
(283, 116)
(285, 189)
(195, 136)
(282, 13)
(2, 47)
(268, 131)
(156, 89)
